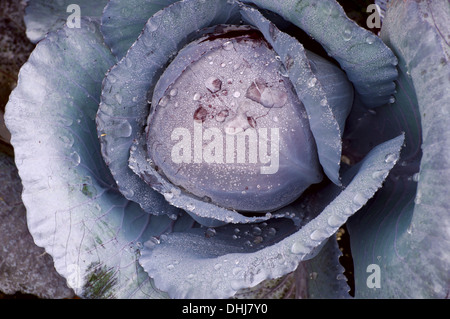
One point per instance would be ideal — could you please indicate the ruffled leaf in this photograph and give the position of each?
(124, 100)
(123, 21)
(74, 209)
(192, 265)
(316, 83)
(369, 64)
(404, 230)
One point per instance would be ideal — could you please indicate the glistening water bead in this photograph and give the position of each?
(216, 137)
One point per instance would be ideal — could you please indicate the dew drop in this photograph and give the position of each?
(221, 116)
(152, 25)
(227, 46)
(123, 129)
(237, 94)
(379, 175)
(128, 193)
(118, 98)
(418, 198)
(75, 158)
(213, 84)
(347, 34)
(359, 199)
(312, 82)
(256, 231)
(210, 232)
(335, 220)
(392, 100)
(318, 234)
(170, 267)
(163, 101)
(173, 92)
(196, 97)
(128, 63)
(313, 275)
(416, 177)
(370, 39)
(200, 114)
(323, 102)
(390, 158)
(271, 231)
(190, 207)
(298, 248)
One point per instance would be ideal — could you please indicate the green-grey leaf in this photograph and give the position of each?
(369, 64)
(405, 230)
(123, 21)
(74, 209)
(192, 265)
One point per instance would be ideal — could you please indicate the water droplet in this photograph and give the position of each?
(319, 234)
(128, 63)
(237, 94)
(390, 158)
(271, 231)
(152, 25)
(223, 65)
(418, 198)
(128, 193)
(335, 220)
(379, 175)
(213, 84)
(196, 97)
(258, 240)
(170, 267)
(75, 158)
(312, 82)
(112, 78)
(66, 121)
(221, 116)
(200, 114)
(416, 177)
(173, 92)
(256, 231)
(154, 241)
(118, 98)
(210, 232)
(190, 207)
(173, 216)
(163, 102)
(341, 277)
(227, 46)
(123, 129)
(409, 229)
(299, 248)
(359, 199)
(323, 102)
(313, 275)
(278, 58)
(392, 100)
(273, 98)
(370, 39)
(168, 196)
(347, 33)
(275, 119)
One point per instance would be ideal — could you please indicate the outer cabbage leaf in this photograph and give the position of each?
(123, 21)
(191, 265)
(74, 209)
(405, 229)
(369, 64)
